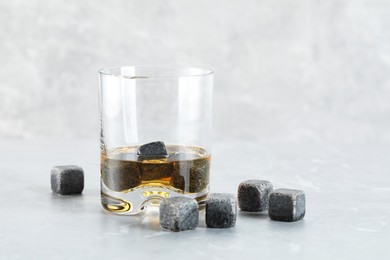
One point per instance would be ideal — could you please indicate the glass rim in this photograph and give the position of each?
(108, 71)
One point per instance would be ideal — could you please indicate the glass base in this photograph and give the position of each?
(137, 200)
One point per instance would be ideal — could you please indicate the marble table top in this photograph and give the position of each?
(347, 212)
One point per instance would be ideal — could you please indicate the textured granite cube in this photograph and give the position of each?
(191, 175)
(119, 175)
(153, 150)
(67, 179)
(287, 205)
(221, 210)
(179, 214)
(253, 195)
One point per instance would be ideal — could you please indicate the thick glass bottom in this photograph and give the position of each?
(136, 200)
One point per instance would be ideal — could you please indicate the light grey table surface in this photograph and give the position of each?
(347, 190)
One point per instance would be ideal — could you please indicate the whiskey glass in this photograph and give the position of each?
(155, 135)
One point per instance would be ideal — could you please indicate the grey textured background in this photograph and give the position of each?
(294, 71)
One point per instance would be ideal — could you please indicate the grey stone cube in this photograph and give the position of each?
(119, 175)
(179, 214)
(67, 179)
(287, 205)
(253, 195)
(221, 210)
(153, 150)
(191, 175)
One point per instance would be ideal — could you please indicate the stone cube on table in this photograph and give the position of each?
(287, 205)
(253, 195)
(67, 179)
(179, 214)
(221, 210)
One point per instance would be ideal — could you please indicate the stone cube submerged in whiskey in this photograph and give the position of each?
(185, 168)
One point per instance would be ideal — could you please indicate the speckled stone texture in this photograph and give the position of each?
(152, 150)
(67, 179)
(179, 214)
(253, 195)
(119, 175)
(191, 175)
(221, 210)
(287, 205)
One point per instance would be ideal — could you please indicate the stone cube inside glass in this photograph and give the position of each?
(155, 135)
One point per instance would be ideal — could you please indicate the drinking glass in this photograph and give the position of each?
(155, 140)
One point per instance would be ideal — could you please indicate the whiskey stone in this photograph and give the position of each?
(153, 150)
(179, 214)
(67, 179)
(253, 195)
(191, 175)
(120, 175)
(287, 205)
(221, 210)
